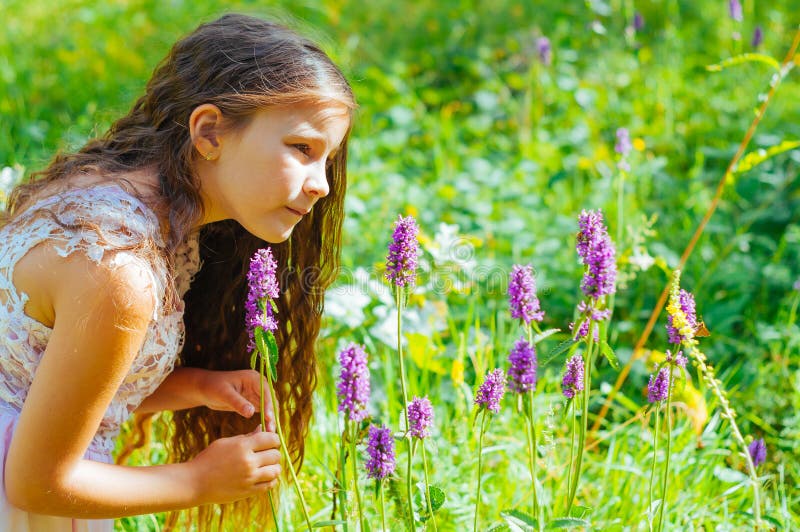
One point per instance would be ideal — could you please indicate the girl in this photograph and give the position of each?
(240, 139)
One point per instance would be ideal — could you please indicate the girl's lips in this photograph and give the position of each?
(296, 212)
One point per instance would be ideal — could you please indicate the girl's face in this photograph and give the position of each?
(270, 174)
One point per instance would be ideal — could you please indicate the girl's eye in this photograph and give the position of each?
(305, 149)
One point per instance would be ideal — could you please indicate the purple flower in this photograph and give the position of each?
(758, 451)
(590, 313)
(572, 381)
(544, 50)
(522, 373)
(638, 21)
(401, 262)
(679, 360)
(353, 387)
(262, 285)
(380, 448)
(420, 417)
(623, 145)
(758, 37)
(522, 295)
(491, 392)
(735, 10)
(597, 253)
(688, 307)
(658, 386)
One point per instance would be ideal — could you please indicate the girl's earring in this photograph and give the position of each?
(208, 156)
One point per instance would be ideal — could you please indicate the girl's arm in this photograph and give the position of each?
(234, 391)
(101, 314)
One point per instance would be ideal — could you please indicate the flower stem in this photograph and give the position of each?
(272, 509)
(286, 454)
(264, 429)
(343, 479)
(480, 470)
(398, 300)
(383, 505)
(532, 451)
(666, 460)
(571, 450)
(353, 436)
(653, 469)
(587, 378)
(427, 485)
(532, 435)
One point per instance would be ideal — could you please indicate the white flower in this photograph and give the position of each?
(8, 178)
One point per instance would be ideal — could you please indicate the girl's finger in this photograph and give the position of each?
(268, 457)
(239, 404)
(263, 441)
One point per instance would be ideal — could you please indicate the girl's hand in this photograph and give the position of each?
(237, 467)
(236, 391)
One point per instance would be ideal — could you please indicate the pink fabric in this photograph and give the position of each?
(13, 519)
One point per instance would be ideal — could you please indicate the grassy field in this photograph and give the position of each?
(496, 152)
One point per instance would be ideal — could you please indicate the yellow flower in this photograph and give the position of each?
(457, 372)
(638, 144)
(674, 309)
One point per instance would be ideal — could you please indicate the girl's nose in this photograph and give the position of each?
(317, 182)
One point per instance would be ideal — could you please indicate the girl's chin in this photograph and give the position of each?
(271, 232)
(275, 237)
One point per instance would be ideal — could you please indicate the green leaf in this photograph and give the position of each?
(610, 355)
(518, 520)
(437, 497)
(566, 410)
(331, 522)
(273, 355)
(560, 349)
(273, 305)
(745, 58)
(774, 521)
(544, 334)
(603, 330)
(498, 527)
(566, 522)
(261, 342)
(754, 158)
(254, 360)
(580, 511)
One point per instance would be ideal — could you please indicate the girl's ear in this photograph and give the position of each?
(204, 128)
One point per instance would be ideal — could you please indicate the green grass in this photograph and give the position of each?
(459, 124)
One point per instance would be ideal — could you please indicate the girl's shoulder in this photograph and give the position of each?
(103, 224)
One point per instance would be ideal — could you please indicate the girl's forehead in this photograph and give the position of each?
(309, 115)
(321, 116)
(331, 121)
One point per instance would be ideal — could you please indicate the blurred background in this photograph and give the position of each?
(494, 123)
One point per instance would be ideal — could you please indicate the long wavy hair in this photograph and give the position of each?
(240, 64)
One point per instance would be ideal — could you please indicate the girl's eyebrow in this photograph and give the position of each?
(314, 136)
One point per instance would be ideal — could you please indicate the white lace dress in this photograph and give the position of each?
(124, 221)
